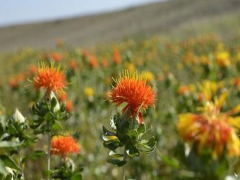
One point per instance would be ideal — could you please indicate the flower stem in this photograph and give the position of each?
(124, 159)
(20, 163)
(49, 149)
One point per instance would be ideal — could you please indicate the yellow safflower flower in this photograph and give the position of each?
(212, 129)
(148, 76)
(88, 91)
(223, 59)
(129, 66)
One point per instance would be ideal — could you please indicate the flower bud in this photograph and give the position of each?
(57, 106)
(18, 117)
(231, 177)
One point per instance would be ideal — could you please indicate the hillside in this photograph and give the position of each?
(177, 17)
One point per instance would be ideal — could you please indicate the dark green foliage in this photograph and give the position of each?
(126, 133)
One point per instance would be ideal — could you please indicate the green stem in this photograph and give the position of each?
(20, 163)
(49, 149)
(124, 167)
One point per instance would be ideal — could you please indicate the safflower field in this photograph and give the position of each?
(152, 109)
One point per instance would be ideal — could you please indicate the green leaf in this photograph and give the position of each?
(111, 142)
(8, 144)
(107, 132)
(2, 129)
(117, 162)
(53, 102)
(34, 109)
(36, 125)
(2, 168)
(35, 156)
(9, 162)
(57, 126)
(49, 116)
(152, 142)
(132, 151)
(49, 172)
(12, 129)
(110, 138)
(186, 174)
(62, 107)
(169, 161)
(111, 145)
(114, 155)
(147, 146)
(77, 176)
(142, 129)
(133, 134)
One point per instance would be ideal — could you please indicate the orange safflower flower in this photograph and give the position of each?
(104, 63)
(116, 56)
(47, 56)
(236, 82)
(85, 54)
(69, 106)
(212, 129)
(33, 69)
(57, 57)
(200, 97)
(73, 65)
(183, 90)
(50, 78)
(13, 83)
(62, 96)
(132, 89)
(64, 145)
(93, 62)
(20, 77)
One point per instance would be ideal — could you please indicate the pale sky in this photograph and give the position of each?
(23, 11)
